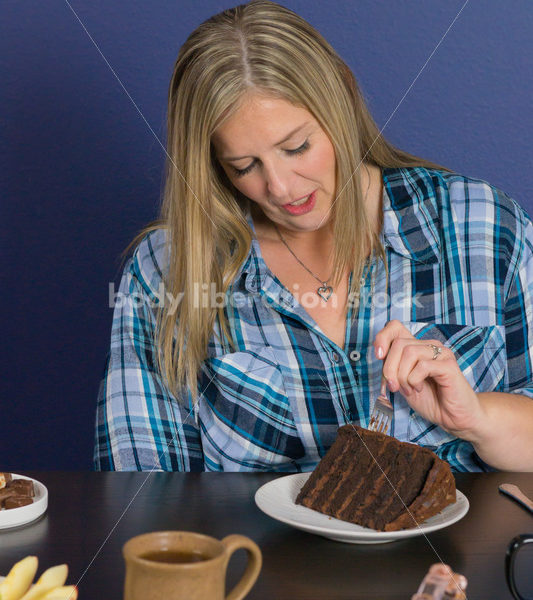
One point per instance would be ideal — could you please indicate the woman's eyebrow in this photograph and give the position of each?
(288, 137)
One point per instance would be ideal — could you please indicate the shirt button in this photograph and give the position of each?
(335, 357)
(355, 355)
(287, 300)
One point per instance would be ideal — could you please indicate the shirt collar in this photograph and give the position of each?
(410, 215)
(410, 222)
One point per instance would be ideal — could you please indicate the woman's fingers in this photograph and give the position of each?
(399, 356)
(404, 355)
(388, 346)
(408, 361)
(396, 346)
(427, 374)
(401, 352)
(392, 330)
(423, 360)
(443, 369)
(412, 355)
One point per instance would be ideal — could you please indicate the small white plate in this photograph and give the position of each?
(277, 499)
(15, 517)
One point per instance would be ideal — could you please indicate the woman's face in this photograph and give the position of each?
(278, 156)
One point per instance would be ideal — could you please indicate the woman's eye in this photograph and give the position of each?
(241, 172)
(300, 150)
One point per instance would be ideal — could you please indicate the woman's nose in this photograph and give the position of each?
(276, 181)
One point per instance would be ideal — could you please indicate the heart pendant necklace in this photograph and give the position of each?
(324, 290)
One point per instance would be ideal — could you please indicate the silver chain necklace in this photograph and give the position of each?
(324, 290)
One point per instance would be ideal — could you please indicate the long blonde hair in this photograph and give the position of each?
(262, 47)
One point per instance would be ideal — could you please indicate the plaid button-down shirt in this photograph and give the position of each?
(460, 262)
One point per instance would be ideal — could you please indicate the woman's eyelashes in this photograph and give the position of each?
(300, 150)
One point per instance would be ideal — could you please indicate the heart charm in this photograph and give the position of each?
(325, 291)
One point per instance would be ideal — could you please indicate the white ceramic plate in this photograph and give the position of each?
(277, 499)
(25, 514)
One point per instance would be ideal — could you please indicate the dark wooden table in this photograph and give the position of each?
(91, 515)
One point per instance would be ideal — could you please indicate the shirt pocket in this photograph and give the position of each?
(247, 414)
(481, 355)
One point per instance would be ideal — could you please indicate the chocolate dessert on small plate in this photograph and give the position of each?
(22, 500)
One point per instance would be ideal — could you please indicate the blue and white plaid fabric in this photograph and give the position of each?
(460, 260)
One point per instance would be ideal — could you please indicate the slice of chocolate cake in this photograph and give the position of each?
(373, 480)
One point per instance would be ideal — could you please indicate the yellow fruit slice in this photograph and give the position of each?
(19, 579)
(52, 578)
(66, 592)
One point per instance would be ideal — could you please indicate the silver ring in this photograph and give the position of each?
(436, 350)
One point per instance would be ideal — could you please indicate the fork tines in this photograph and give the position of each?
(381, 415)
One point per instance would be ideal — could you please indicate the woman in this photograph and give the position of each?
(299, 257)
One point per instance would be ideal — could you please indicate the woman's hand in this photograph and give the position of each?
(435, 388)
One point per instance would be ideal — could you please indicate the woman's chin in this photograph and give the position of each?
(310, 222)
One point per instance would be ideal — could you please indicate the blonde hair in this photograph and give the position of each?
(266, 48)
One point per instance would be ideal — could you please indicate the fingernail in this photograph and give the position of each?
(380, 352)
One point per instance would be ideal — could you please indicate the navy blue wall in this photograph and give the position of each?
(81, 169)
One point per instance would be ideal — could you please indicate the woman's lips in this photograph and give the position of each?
(304, 208)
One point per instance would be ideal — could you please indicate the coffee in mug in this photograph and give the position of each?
(171, 556)
(181, 565)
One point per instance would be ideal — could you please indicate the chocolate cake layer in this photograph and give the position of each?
(374, 480)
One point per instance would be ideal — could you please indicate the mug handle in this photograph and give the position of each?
(510, 556)
(255, 560)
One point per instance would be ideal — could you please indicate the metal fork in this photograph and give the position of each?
(381, 417)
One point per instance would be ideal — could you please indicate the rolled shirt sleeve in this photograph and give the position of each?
(140, 425)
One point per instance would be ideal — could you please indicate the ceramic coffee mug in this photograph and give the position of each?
(181, 565)
(516, 543)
